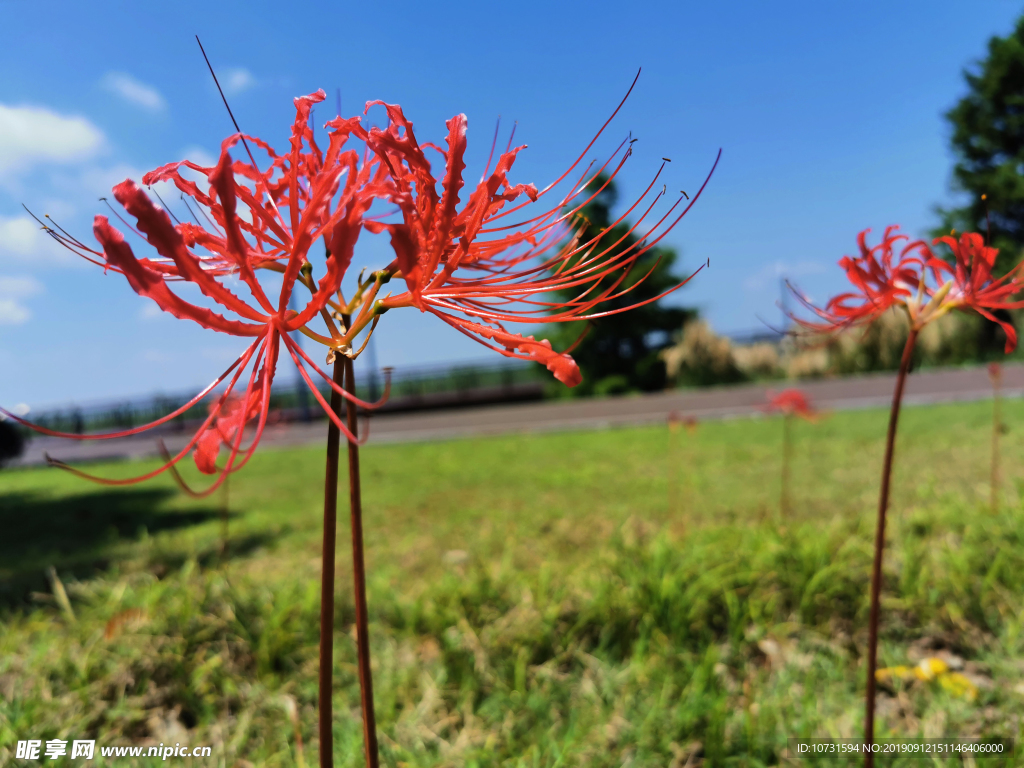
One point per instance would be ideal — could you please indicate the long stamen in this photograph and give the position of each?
(166, 208)
(494, 141)
(234, 122)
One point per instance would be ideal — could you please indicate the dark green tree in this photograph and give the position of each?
(620, 352)
(988, 142)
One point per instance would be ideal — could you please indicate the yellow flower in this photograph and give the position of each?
(931, 669)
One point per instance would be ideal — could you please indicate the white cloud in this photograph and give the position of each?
(151, 311)
(96, 182)
(12, 311)
(20, 235)
(237, 80)
(24, 241)
(89, 184)
(134, 91)
(770, 274)
(19, 286)
(73, 198)
(199, 156)
(31, 135)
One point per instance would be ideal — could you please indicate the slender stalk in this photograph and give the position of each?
(994, 481)
(673, 464)
(787, 448)
(300, 758)
(876, 571)
(359, 579)
(224, 513)
(327, 578)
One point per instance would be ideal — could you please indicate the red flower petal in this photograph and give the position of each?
(146, 282)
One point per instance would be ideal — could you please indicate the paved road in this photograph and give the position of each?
(713, 403)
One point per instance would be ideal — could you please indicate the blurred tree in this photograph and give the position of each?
(12, 443)
(988, 142)
(621, 352)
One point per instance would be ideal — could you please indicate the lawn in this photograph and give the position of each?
(593, 598)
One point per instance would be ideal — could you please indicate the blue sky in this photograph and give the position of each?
(829, 116)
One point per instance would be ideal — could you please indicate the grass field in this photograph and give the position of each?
(580, 599)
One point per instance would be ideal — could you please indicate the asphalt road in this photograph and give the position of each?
(597, 413)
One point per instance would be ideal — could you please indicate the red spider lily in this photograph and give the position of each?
(926, 287)
(792, 402)
(675, 420)
(882, 278)
(971, 285)
(920, 282)
(789, 402)
(289, 208)
(504, 270)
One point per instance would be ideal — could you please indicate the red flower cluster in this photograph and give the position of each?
(689, 421)
(457, 263)
(881, 278)
(792, 402)
(972, 286)
(506, 269)
(924, 284)
(995, 372)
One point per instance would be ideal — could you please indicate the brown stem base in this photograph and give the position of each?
(876, 571)
(359, 581)
(324, 702)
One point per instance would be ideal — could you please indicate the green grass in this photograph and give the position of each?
(581, 599)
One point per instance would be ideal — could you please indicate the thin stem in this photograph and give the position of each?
(994, 482)
(673, 465)
(876, 571)
(327, 578)
(359, 578)
(787, 444)
(224, 513)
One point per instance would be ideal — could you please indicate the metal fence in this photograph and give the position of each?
(413, 388)
(432, 386)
